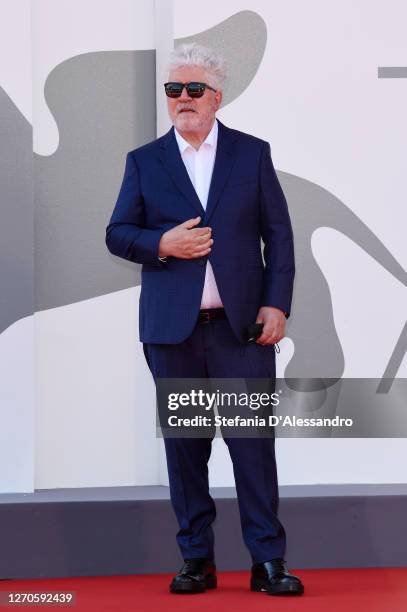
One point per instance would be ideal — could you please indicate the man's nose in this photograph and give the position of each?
(185, 95)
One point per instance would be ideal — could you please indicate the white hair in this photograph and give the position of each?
(193, 54)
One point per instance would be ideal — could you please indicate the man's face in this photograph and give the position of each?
(192, 114)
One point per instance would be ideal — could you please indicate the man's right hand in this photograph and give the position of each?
(186, 241)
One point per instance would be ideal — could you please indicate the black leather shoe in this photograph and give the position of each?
(195, 576)
(273, 578)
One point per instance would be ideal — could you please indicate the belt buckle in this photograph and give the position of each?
(206, 317)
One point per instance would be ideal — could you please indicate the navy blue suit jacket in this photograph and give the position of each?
(245, 204)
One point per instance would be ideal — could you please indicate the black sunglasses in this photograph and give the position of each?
(194, 89)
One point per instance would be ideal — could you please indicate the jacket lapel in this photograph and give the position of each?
(224, 159)
(172, 160)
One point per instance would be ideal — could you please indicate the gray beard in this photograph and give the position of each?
(192, 123)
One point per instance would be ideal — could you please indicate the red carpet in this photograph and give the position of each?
(348, 590)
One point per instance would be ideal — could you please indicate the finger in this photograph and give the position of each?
(201, 231)
(199, 241)
(195, 240)
(201, 246)
(274, 339)
(190, 223)
(261, 339)
(200, 253)
(204, 249)
(267, 340)
(268, 334)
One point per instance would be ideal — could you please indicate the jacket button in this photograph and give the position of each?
(202, 262)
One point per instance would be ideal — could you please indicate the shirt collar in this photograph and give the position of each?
(211, 138)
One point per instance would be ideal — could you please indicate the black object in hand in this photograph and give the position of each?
(254, 331)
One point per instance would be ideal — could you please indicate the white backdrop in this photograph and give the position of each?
(317, 99)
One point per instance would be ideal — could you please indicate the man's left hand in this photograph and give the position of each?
(273, 320)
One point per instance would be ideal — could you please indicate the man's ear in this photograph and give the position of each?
(218, 98)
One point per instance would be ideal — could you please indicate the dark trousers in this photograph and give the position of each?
(212, 350)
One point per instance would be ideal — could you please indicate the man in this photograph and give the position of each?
(192, 209)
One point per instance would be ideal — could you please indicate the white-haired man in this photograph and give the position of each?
(193, 208)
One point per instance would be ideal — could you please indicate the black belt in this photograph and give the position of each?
(211, 314)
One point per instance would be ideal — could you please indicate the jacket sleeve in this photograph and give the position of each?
(277, 235)
(126, 234)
